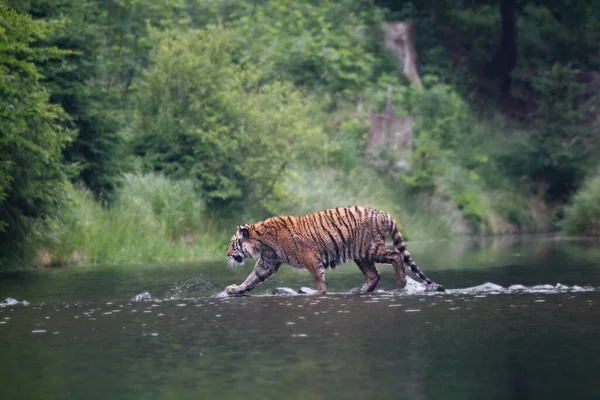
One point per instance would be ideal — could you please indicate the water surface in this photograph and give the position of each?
(82, 338)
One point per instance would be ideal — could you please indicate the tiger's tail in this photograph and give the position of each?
(401, 247)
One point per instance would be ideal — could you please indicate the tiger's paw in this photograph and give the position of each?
(232, 289)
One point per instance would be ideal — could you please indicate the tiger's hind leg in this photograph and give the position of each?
(371, 274)
(393, 257)
(319, 274)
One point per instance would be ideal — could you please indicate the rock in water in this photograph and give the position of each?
(9, 301)
(583, 289)
(517, 287)
(145, 296)
(560, 286)
(306, 290)
(541, 288)
(284, 291)
(486, 287)
(224, 294)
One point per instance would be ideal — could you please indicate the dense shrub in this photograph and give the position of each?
(203, 116)
(582, 216)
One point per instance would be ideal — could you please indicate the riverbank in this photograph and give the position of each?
(156, 219)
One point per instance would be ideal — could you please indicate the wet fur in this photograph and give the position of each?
(322, 240)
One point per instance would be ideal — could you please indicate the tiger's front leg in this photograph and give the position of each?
(259, 274)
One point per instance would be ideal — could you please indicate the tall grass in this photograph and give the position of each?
(156, 219)
(582, 216)
(489, 210)
(153, 219)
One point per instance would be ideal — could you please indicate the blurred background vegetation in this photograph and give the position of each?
(140, 130)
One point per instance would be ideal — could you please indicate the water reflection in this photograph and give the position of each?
(99, 344)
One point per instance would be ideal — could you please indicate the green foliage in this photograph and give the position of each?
(480, 28)
(463, 188)
(559, 33)
(562, 146)
(452, 35)
(582, 215)
(557, 43)
(459, 159)
(348, 144)
(97, 155)
(127, 43)
(322, 45)
(151, 219)
(201, 115)
(32, 177)
(439, 118)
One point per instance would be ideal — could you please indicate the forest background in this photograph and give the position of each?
(145, 131)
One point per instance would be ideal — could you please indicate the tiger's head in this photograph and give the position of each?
(240, 247)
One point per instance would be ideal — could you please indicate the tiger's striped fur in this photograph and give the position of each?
(325, 239)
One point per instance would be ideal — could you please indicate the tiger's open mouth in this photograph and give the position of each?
(238, 259)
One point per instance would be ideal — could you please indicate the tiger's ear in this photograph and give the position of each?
(243, 229)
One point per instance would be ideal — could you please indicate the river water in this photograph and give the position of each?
(81, 337)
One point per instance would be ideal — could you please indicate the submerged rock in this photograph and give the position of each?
(306, 290)
(486, 287)
(9, 301)
(145, 296)
(284, 291)
(541, 288)
(560, 286)
(517, 287)
(583, 289)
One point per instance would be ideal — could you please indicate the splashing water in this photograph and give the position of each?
(416, 288)
(190, 288)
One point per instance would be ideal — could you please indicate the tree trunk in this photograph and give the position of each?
(400, 38)
(389, 144)
(505, 58)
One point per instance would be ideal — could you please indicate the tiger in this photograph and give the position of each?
(324, 239)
